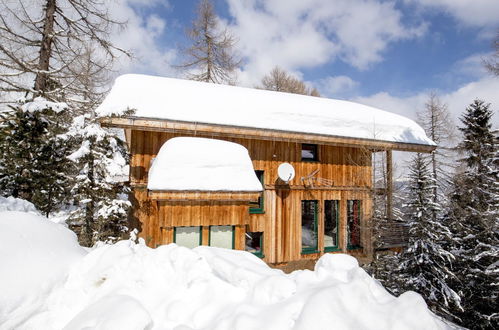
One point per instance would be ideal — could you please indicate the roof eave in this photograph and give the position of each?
(213, 130)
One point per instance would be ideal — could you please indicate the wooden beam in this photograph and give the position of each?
(214, 130)
(389, 185)
(203, 196)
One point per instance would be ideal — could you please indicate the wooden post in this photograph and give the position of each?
(389, 185)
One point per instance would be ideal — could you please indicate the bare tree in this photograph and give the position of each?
(211, 57)
(280, 81)
(42, 42)
(437, 123)
(492, 64)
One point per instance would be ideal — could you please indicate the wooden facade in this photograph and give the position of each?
(340, 174)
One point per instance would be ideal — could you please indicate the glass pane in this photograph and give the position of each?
(221, 236)
(331, 223)
(308, 225)
(353, 220)
(189, 237)
(308, 151)
(254, 242)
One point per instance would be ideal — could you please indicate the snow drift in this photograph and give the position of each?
(130, 286)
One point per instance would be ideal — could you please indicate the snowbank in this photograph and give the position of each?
(35, 255)
(16, 204)
(130, 286)
(198, 102)
(188, 163)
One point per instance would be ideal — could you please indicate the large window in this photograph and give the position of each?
(353, 222)
(309, 152)
(254, 243)
(331, 221)
(189, 237)
(309, 226)
(257, 207)
(222, 236)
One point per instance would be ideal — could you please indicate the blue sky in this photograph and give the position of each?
(388, 54)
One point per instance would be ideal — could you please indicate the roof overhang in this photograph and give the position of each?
(217, 130)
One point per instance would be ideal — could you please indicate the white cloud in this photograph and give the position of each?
(336, 86)
(141, 36)
(297, 34)
(479, 13)
(485, 89)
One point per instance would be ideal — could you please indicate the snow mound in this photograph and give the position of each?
(16, 204)
(200, 164)
(35, 255)
(199, 102)
(131, 286)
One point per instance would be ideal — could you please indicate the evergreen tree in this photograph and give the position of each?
(474, 220)
(33, 153)
(424, 264)
(103, 202)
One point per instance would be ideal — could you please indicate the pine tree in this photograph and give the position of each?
(103, 202)
(211, 57)
(474, 220)
(33, 153)
(424, 264)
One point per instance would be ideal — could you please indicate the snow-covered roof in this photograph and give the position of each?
(199, 102)
(199, 164)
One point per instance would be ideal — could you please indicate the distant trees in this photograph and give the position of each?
(280, 81)
(473, 218)
(437, 123)
(492, 64)
(210, 57)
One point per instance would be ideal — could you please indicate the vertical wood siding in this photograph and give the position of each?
(342, 173)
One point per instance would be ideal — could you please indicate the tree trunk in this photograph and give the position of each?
(41, 80)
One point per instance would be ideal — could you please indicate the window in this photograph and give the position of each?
(189, 237)
(309, 226)
(222, 236)
(309, 152)
(254, 243)
(258, 207)
(331, 220)
(353, 223)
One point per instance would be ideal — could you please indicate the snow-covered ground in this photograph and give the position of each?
(47, 281)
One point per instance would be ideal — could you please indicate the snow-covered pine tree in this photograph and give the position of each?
(474, 220)
(102, 199)
(33, 153)
(424, 264)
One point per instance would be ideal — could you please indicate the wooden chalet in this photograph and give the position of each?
(325, 207)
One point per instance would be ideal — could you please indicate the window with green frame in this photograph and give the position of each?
(354, 216)
(331, 225)
(309, 242)
(189, 237)
(254, 243)
(258, 206)
(222, 237)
